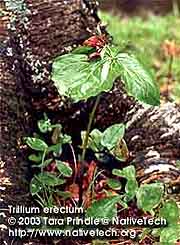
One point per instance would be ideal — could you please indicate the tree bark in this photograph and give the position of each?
(153, 137)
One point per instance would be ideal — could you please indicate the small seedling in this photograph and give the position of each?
(53, 172)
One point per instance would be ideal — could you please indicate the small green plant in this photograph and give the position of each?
(167, 209)
(92, 69)
(171, 212)
(86, 72)
(148, 196)
(53, 172)
(77, 76)
(110, 141)
(48, 184)
(107, 207)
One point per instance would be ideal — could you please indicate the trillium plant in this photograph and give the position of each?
(86, 72)
(92, 69)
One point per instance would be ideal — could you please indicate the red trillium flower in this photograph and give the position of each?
(96, 41)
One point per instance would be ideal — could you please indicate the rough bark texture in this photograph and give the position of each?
(14, 124)
(153, 136)
(32, 34)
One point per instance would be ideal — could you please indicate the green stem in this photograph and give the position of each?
(43, 158)
(91, 118)
(85, 144)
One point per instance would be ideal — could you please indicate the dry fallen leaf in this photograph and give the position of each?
(170, 48)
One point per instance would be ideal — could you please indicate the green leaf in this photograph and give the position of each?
(127, 172)
(178, 164)
(35, 186)
(156, 232)
(138, 81)
(78, 78)
(49, 179)
(94, 141)
(57, 132)
(130, 189)
(83, 50)
(36, 144)
(114, 184)
(170, 212)
(55, 148)
(35, 158)
(47, 162)
(117, 172)
(170, 235)
(44, 125)
(131, 186)
(44, 164)
(66, 139)
(64, 169)
(103, 208)
(112, 135)
(149, 196)
(105, 70)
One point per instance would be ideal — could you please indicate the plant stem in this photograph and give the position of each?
(85, 144)
(43, 158)
(91, 118)
(75, 163)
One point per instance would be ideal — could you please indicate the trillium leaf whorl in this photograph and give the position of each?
(78, 77)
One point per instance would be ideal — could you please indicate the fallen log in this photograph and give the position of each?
(153, 136)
